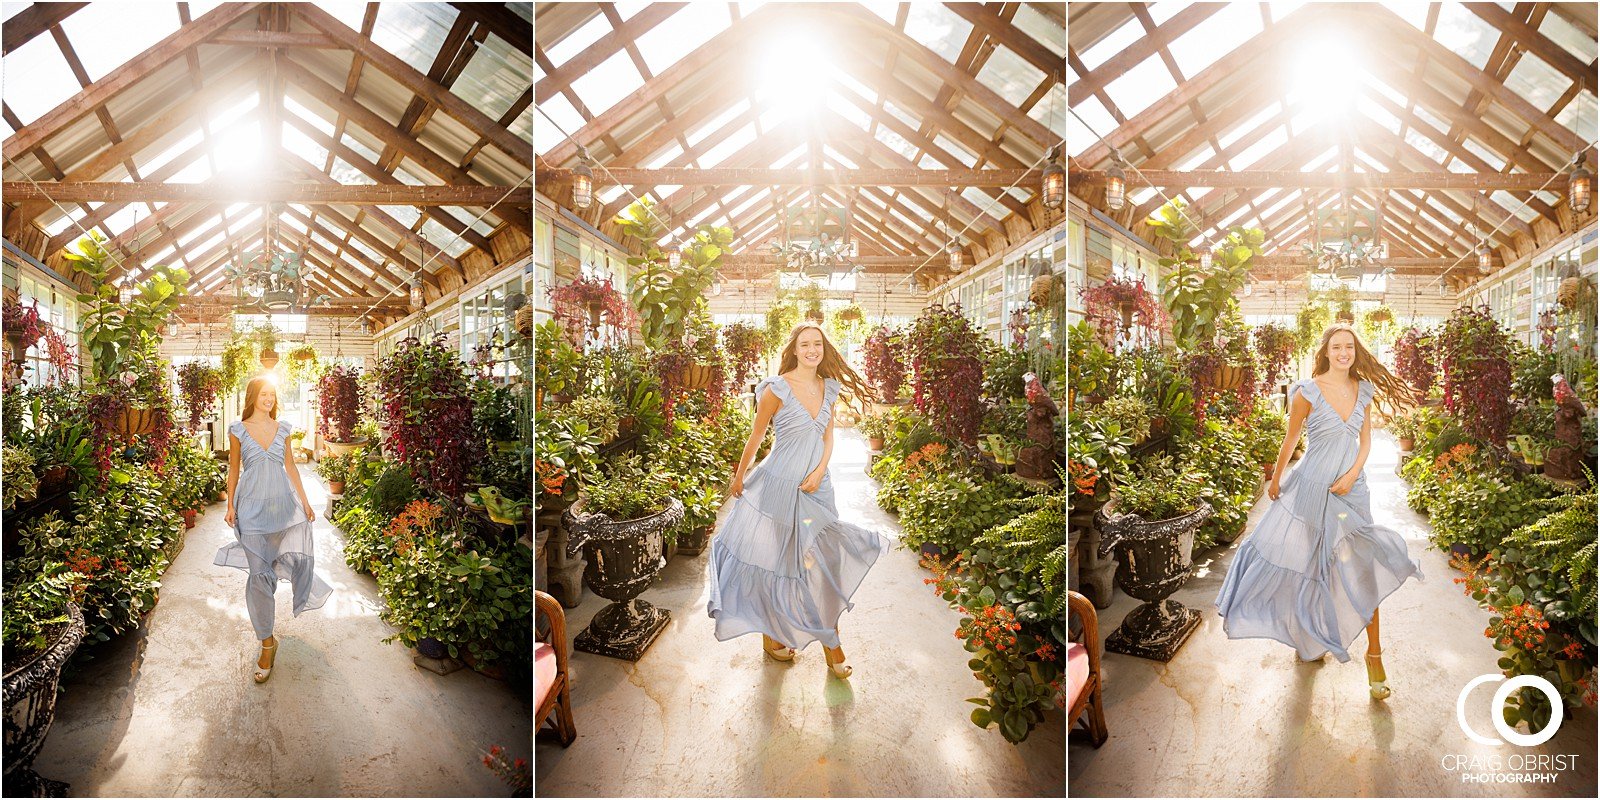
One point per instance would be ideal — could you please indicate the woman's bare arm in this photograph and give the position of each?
(233, 470)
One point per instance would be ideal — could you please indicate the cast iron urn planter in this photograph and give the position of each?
(30, 707)
(624, 558)
(1154, 560)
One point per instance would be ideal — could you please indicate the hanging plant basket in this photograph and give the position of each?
(1380, 316)
(1567, 294)
(1228, 377)
(850, 314)
(134, 421)
(269, 358)
(1345, 316)
(1044, 290)
(525, 321)
(696, 377)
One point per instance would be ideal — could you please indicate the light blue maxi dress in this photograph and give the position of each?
(1316, 567)
(272, 535)
(783, 563)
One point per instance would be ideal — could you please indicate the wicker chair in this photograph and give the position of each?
(1083, 671)
(551, 678)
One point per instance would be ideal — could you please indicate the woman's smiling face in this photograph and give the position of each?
(267, 399)
(1342, 350)
(808, 347)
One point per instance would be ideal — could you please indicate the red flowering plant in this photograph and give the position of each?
(421, 518)
(744, 345)
(1275, 346)
(199, 384)
(1112, 307)
(947, 371)
(339, 397)
(585, 305)
(883, 358)
(23, 322)
(1475, 357)
(1009, 586)
(426, 401)
(1414, 359)
(515, 773)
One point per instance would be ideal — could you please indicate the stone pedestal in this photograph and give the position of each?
(563, 573)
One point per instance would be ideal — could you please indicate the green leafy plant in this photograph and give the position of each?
(113, 329)
(601, 414)
(666, 297)
(1158, 490)
(1199, 299)
(19, 482)
(626, 490)
(1132, 414)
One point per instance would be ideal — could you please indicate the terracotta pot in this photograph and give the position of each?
(1407, 444)
(188, 517)
(336, 487)
(875, 442)
(340, 448)
(269, 358)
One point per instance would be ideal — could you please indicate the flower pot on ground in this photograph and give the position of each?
(188, 517)
(431, 648)
(618, 523)
(1150, 525)
(30, 707)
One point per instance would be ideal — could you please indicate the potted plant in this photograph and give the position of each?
(1275, 348)
(618, 521)
(947, 371)
(583, 305)
(22, 330)
(602, 415)
(1404, 428)
(266, 338)
(1475, 356)
(426, 401)
(744, 345)
(875, 427)
(334, 469)
(43, 628)
(339, 396)
(1150, 524)
(302, 363)
(1111, 307)
(1414, 359)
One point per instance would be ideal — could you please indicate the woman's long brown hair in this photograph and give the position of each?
(832, 366)
(252, 392)
(1394, 393)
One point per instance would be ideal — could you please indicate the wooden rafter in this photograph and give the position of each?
(1537, 43)
(861, 176)
(399, 194)
(603, 48)
(1137, 51)
(1267, 179)
(32, 21)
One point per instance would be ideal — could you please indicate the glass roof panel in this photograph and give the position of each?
(198, 172)
(1273, 140)
(1379, 114)
(894, 140)
(626, 9)
(37, 79)
(1202, 156)
(1010, 76)
(728, 146)
(1466, 33)
(1523, 213)
(545, 135)
(1410, 11)
(495, 77)
(1051, 108)
(1217, 36)
(671, 154)
(165, 157)
(406, 176)
(605, 85)
(1480, 151)
(317, 121)
(677, 36)
(349, 175)
(301, 145)
(1044, 30)
(1141, 196)
(939, 28)
(579, 40)
(844, 108)
(698, 134)
(1322, 160)
(1426, 145)
(406, 215)
(1579, 115)
(439, 235)
(1080, 138)
(1537, 82)
(849, 163)
(961, 153)
(1559, 30)
(1141, 86)
(898, 114)
(106, 35)
(1238, 131)
(414, 31)
(350, 12)
(1125, 34)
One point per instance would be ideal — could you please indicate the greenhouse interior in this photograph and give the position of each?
(1257, 190)
(718, 185)
(267, 276)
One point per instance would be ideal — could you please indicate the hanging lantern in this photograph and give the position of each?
(582, 184)
(1580, 189)
(1249, 289)
(1116, 185)
(955, 257)
(366, 326)
(855, 248)
(1053, 184)
(416, 294)
(674, 258)
(1205, 259)
(1485, 264)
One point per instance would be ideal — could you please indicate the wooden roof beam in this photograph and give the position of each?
(399, 194)
(475, 120)
(843, 176)
(354, 256)
(1537, 43)
(502, 22)
(136, 69)
(603, 48)
(1291, 179)
(1002, 31)
(32, 21)
(1139, 50)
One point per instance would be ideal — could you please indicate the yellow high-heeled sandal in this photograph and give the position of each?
(262, 673)
(1376, 678)
(836, 663)
(775, 649)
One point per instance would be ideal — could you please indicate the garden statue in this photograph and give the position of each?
(1037, 459)
(1565, 459)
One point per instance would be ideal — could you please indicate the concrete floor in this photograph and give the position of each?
(699, 717)
(1240, 718)
(171, 710)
